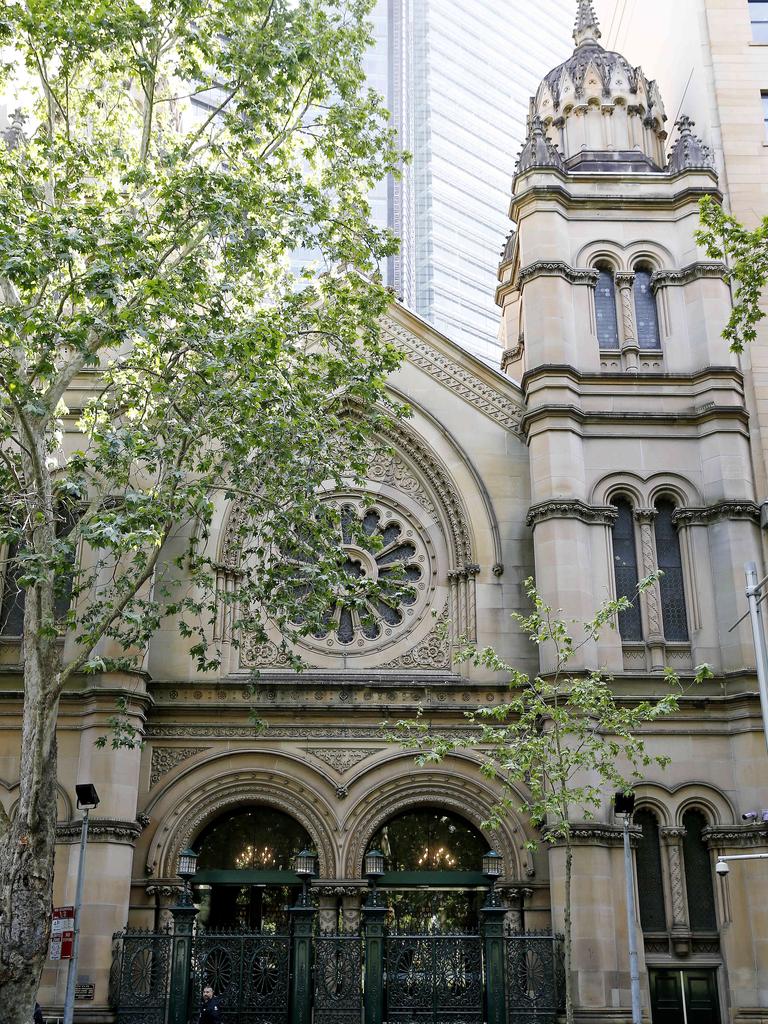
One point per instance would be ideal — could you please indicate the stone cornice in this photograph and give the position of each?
(571, 508)
(493, 401)
(581, 417)
(727, 373)
(557, 268)
(101, 830)
(693, 272)
(624, 199)
(598, 834)
(738, 510)
(721, 836)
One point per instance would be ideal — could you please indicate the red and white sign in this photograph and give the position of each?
(62, 933)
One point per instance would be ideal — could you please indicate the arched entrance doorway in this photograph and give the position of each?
(245, 878)
(434, 879)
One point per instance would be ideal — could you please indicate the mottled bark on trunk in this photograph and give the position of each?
(28, 841)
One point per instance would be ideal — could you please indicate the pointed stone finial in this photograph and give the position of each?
(587, 29)
(537, 150)
(689, 153)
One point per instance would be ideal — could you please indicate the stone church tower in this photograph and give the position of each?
(614, 440)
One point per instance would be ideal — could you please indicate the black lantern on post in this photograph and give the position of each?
(186, 871)
(493, 868)
(374, 869)
(305, 866)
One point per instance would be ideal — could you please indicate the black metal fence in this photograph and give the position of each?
(427, 979)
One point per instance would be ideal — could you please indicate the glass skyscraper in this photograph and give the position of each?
(457, 76)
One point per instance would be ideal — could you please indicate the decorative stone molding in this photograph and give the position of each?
(278, 732)
(434, 651)
(748, 510)
(341, 759)
(492, 402)
(538, 152)
(571, 508)
(338, 890)
(165, 892)
(166, 758)
(598, 834)
(693, 272)
(386, 468)
(557, 268)
(689, 153)
(237, 790)
(100, 830)
(747, 836)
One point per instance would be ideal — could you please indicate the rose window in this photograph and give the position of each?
(385, 548)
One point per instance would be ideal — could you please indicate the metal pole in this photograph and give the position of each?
(634, 970)
(758, 635)
(69, 1001)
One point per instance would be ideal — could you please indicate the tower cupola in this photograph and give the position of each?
(600, 112)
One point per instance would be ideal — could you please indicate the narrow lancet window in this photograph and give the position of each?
(671, 565)
(625, 570)
(650, 881)
(645, 311)
(605, 310)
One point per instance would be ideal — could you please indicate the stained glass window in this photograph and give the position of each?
(650, 883)
(625, 570)
(645, 311)
(698, 874)
(605, 310)
(671, 564)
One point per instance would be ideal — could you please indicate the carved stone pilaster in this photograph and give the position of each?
(651, 597)
(672, 842)
(350, 912)
(463, 601)
(629, 346)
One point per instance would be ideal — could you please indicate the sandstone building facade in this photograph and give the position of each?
(616, 438)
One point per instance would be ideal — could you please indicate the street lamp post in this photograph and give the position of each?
(374, 918)
(624, 803)
(87, 800)
(184, 913)
(492, 917)
(754, 586)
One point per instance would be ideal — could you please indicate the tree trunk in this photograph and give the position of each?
(568, 933)
(28, 842)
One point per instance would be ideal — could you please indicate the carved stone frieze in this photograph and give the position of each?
(693, 272)
(492, 402)
(434, 651)
(388, 469)
(166, 758)
(748, 510)
(557, 268)
(165, 892)
(598, 834)
(717, 836)
(341, 759)
(100, 830)
(571, 509)
(274, 732)
(257, 653)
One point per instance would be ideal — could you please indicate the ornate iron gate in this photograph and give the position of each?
(338, 979)
(535, 978)
(434, 979)
(251, 974)
(141, 970)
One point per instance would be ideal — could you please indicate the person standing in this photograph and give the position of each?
(37, 1016)
(210, 1011)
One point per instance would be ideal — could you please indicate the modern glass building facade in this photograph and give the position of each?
(459, 74)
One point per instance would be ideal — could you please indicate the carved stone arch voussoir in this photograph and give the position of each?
(185, 823)
(462, 796)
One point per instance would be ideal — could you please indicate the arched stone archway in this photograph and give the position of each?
(191, 816)
(465, 797)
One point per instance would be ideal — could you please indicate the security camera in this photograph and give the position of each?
(722, 868)
(749, 816)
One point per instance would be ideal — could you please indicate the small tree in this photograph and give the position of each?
(746, 255)
(564, 740)
(157, 358)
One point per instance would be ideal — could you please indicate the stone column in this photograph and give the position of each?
(651, 598)
(672, 843)
(350, 912)
(630, 349)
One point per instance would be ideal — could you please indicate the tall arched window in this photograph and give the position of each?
(671, 564)
(605, 309)
(645, 311)
(650, 883)
(698, 874)
(625, 570)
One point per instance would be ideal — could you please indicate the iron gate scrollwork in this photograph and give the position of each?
(434, 979)
(250, 973)
(140, 976)
(535, 978)
(338, 979)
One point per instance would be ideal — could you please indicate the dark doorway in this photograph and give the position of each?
(684, 996)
